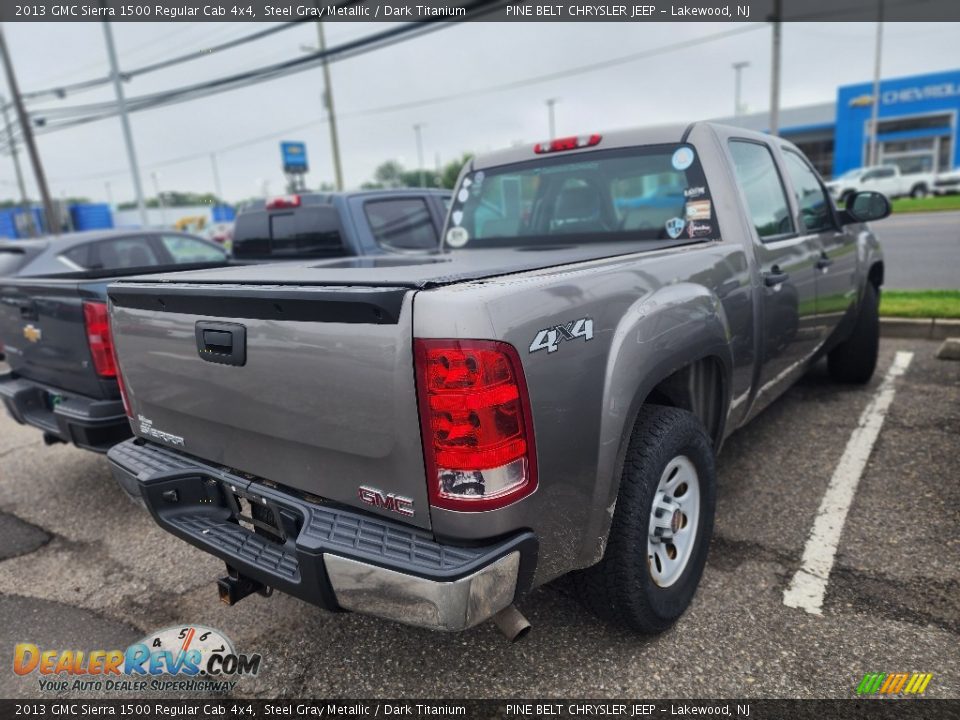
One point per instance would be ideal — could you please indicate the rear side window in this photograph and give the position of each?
(654, 192)
(127, 252)
(760, 182)
(184, 249)
(11, 260)
(304, 232)
(404, 223)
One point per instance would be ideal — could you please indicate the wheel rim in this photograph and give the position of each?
(674, 519)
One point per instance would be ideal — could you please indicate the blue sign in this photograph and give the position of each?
(294, 156)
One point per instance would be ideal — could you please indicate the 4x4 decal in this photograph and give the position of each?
(550, 338)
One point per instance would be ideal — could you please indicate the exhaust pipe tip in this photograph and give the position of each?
(511, 622)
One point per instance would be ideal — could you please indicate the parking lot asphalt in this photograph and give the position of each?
(84, 568)
(921, 250)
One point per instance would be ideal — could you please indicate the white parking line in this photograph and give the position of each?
(809, 585)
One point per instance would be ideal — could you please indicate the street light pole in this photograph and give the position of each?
(24, 202)
(53, 223)
(163, 208)
(125, 122)
(775, 70)
(737, 69)
(331, 113)
(875, 108)
(553, 128)
(216, 178)
(417, 128)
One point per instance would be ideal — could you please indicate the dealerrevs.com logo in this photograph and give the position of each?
(894, 683)
(189, 658)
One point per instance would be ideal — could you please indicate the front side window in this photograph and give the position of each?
(760, 182)
(813, 202)
(184, 250)
(404, 223)
(646, 193)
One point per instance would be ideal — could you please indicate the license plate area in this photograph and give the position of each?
(260, 515)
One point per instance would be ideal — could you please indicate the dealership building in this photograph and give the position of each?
(917, 120)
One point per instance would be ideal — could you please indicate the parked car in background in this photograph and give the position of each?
(947, 183)
(886, 179)
(54, 329)
(426, 438)
(325, 225)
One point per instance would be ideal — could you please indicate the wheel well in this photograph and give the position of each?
(698, 388)
(875, 275)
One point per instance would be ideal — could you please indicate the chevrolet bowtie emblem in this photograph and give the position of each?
(32, 334)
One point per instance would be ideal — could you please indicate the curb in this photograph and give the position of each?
(919, 328)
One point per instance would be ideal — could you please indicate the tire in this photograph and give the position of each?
(629, 587)
(854, 360)
(918, 191)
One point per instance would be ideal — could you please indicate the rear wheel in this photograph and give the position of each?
(661, 528)
(855, 359)
(918, 191)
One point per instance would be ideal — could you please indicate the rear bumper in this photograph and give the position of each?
(329, 555)
(87, 423)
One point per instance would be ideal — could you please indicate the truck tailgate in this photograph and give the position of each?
(324, 401)
(42, 326)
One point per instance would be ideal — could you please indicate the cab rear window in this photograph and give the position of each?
(312, 231)
(646, 193)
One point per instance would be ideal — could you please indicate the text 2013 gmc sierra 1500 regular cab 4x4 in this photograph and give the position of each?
(425, 439)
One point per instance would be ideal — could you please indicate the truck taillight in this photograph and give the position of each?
(99, 338)
(476, 424)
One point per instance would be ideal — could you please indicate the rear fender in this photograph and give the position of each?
(662, 333)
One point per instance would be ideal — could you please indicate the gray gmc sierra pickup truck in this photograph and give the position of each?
(427, 438)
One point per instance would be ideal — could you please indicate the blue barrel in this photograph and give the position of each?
(8, 228)
(91, 216)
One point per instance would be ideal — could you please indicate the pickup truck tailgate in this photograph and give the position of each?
(324, 400)
(42, 326)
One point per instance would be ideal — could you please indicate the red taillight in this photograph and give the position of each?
(568, 143)
(476, 424)
(99, 338)
(283, 201)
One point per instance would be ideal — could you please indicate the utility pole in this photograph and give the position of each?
(331, 114)
(163, 207)
(875, 108)
(553, 128)
(125, 122)
(417, 128)
(775, 70)
(216, 177)
(737, 69)
(53, 223)
(24, 202)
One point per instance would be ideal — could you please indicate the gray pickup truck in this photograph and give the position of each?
(426, 439)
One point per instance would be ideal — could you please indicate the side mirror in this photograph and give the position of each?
(866, 206)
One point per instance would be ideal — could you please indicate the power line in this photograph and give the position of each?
(560, 74)
(60, 92)
(56, 118)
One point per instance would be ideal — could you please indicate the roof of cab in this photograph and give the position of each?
(628, 137)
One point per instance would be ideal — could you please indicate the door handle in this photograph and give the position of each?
(824, 262)
(775, 277)
(223, 343)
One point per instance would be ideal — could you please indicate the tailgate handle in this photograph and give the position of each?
(28, 311)
(223, 343)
